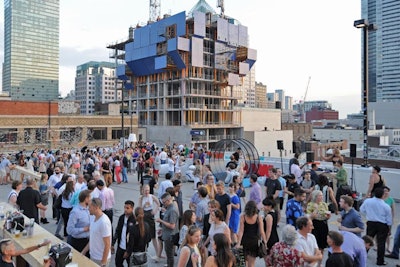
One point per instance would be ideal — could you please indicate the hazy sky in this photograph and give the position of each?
(294, 40)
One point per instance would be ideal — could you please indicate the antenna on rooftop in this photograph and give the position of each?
(155, 10)
(222, 6)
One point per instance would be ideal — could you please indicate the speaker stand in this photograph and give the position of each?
(280, 152)
(353, 184)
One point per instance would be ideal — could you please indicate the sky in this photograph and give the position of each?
(294, 40)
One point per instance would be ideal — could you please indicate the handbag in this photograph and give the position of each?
(139, 258)
(175, 239)
(262, 249)
(57, 203)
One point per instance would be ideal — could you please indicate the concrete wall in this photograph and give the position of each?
(266, 142)
(255, 119)
(352, 136)
(162, 134)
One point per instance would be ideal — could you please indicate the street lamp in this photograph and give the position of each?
(363, 24)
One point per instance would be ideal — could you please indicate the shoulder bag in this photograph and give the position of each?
(139, 258)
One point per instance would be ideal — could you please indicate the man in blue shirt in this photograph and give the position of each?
(294, 208)
(349, 219)
(379, 218)
(79, 222)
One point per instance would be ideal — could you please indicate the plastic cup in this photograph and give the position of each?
(17, 233)
(46, 258)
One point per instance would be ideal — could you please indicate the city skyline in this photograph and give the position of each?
(293, 40)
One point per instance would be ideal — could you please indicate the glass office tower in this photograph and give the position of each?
(384, 49)
(31, 49)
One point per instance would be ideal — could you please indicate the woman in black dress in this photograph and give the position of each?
(250, 229)
(270, 222)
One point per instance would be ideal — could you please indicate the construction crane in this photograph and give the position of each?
(155, 10)
(303, 111)
(222, 6)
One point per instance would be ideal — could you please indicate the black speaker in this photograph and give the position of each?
(296, 147)
(279, 143)
(278, 105)
(310, 156)
(353, 150)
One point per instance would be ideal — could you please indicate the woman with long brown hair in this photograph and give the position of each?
(190, 255)
(66, 205)
(139, 234)
(223, 256)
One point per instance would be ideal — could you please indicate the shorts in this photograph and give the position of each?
(3, 173)
(156, 171)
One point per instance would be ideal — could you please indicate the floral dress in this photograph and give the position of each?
(282, 255)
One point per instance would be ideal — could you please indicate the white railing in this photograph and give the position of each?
(18, 170)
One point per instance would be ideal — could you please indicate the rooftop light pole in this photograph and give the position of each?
(363, 24)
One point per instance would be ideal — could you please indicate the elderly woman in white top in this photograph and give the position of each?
(150, 205)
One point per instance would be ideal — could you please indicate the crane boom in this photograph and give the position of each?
(304, 100)
(155, 10)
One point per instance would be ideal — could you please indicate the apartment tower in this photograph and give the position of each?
(95, 83)
(31, 49)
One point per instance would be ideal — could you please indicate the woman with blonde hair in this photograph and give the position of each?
(150, 205)
(319, 213)
(190, 255)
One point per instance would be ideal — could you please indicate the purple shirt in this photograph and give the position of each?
(255, 193)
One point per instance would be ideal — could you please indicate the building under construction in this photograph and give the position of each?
(183, 73)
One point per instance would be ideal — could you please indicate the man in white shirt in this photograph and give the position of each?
(306, 242)
(295, 169)
(163, 156)
(165, 184)
(53, 180)
(99, 245)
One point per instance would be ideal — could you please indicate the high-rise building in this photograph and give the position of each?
(186, 70)
(31, 49)
(261, 99)
(384, 49)
(281, 97)
(248, 88)
(94, 83)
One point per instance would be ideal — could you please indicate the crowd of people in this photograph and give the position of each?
(222, 224)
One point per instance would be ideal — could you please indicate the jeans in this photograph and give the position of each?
(396, 242)
(59, 225)
(124, 175)
(169, 251)
(56, 212)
